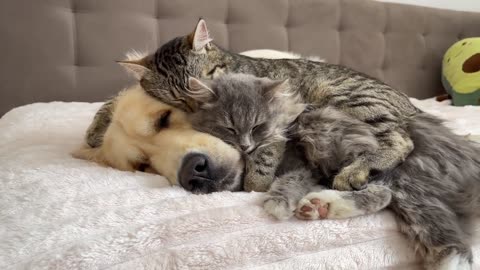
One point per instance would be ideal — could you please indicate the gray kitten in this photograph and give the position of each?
(434, 192)
(247, 112)
(250, 113)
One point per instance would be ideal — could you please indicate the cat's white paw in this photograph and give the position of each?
(453, 262)
(326, 204)
(278, 208)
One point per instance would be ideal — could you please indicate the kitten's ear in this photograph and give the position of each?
(200, 37)
(284, 101)
(276, 89)
(138, 68)
(200, 92)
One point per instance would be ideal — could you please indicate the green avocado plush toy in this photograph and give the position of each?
(461, 72)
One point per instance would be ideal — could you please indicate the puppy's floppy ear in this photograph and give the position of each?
(200, 92)
(276, 89)
(200, 37)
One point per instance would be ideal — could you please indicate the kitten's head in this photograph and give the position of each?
(165, 73)
(243, 110)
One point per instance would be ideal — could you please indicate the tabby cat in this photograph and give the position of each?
(165, 74)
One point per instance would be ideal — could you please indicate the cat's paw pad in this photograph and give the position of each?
(350, 180)
(326, 204)
(312, 209)
(278, 208)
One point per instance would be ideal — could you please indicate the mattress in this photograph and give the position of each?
(57, 212)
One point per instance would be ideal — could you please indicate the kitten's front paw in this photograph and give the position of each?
(326, 204)
(257, 177)
(351, 178)
(279, 208)
(257, 183)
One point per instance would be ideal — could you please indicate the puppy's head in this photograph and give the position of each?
(146, 134)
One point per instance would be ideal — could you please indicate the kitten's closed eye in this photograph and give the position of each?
(231, 130)
(259, 128)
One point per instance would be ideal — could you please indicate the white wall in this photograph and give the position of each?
(463, 5)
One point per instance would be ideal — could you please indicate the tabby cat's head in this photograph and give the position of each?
(165, 73)
(243, 110)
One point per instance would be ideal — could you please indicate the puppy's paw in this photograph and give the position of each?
(326, 204)
(350, 178)
(279, 208)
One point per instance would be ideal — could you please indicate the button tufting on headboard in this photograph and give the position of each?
(65, 49)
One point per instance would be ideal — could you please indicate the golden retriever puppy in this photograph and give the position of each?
(148, 135)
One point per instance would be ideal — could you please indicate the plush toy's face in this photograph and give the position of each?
(461, 71)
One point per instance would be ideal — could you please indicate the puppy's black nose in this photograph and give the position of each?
(195, 172)
(199, 165)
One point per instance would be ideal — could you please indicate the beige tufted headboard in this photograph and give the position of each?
(65, 49)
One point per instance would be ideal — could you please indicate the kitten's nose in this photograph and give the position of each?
(244, 147)
(247, 149)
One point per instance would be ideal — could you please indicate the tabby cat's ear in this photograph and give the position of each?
(200, 92)
(137, 68)
(200, 37)
(276, 89)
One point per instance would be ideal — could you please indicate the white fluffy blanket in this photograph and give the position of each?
(57, 212)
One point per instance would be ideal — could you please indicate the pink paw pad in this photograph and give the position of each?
(312, 209)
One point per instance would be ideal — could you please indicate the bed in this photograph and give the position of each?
(57, 212)
(61, 213)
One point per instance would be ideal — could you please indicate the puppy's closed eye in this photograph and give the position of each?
(163, 121)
